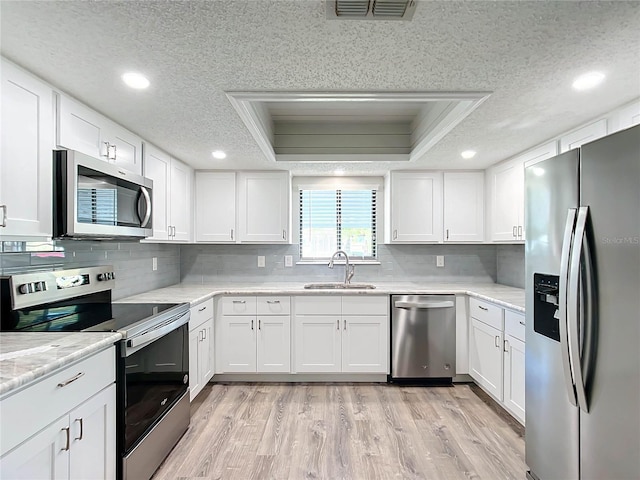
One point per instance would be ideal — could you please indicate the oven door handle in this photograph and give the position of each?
(154, 334)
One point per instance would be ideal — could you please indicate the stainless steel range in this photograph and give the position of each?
(152, 361)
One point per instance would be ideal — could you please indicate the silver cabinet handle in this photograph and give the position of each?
(522, 323)
(271, 302)
(519, 231)
(204, 334)
(562, 305)
(147, 199)
(71, 380)
(395, 234)
(259, 324)
(345, 323)
(115, 152)
(483, 308)
(515, 231)
(251, 324)
(447, 234)
(239, 301)
(338, 324)
(497, 341)
(200, 336)
(506, 346)
(284, 234)
(232, 234)
(81, 429)
(202, 309)
(4, 216)
(66, 448)
(405, 304)
(174, 230)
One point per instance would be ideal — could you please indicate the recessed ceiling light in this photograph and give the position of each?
(135, 80)
(467, 154)
(219, 154)
(588, 80)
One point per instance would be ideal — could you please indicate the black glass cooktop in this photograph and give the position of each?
(93, 313)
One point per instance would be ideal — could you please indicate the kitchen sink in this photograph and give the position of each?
(339, 286)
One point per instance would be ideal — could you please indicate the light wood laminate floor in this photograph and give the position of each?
(344, 431)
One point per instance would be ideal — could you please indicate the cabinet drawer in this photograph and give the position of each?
(318, 305)
(201, 313)
(486, 312)
(514, 324)
(239, 306)
(365, 305)
(32, 409)
(274, 305)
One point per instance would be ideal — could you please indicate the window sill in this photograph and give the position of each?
(339, 263)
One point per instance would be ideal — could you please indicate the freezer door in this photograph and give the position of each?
(552, 421)
(610, 187)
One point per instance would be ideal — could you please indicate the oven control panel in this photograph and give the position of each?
(32, 287)
(102, 277)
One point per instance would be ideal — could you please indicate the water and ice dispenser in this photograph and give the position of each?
(545, 305)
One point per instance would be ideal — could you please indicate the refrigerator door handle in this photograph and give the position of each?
(562, 305)
(573, 307)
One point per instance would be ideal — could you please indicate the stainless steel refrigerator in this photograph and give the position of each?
(582, 285)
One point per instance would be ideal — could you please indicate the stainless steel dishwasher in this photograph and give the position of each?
(423, 338)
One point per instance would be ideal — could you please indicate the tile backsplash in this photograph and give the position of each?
(239, 263)
(510, 265)
(132, 262)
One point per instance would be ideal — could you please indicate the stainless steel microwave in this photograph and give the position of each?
(99, 200)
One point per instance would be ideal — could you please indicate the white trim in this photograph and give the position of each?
(334, 183)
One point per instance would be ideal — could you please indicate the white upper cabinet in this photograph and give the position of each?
(215, 196)
(264, 205)
(172, 185)
(506, 187)
(26, 159)
(413, 212)
(626, 117)
(463, 206)
(85, 130)
(583, 135)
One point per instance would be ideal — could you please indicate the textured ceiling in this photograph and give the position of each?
(527, 53)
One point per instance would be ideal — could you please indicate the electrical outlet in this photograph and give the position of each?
(154, 264)
(288, 260)
(439, 260)
(261, 261)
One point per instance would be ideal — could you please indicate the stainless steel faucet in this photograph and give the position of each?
(349, 270)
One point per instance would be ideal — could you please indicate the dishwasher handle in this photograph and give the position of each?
(422, 305)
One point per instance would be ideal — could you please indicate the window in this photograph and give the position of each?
(340, 219)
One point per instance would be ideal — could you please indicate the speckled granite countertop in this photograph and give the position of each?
(27, 356)
(508, 297)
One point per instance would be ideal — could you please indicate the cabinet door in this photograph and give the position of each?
(365, 342)
(485, 357)
(205, 353)
(43, 456)
(180, 200)
(274, 343)
(514, 376)
(93, 437)
(238, 344)
(464, 207)
(157, 166)
(416, 207)
(26, 142)
(507, 200)
(215, 204)
(583, 135)
(318, 343)
(128, 148)
(195, 378)
(80, 128)
(263, 207)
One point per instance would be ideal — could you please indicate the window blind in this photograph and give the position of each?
(339, 219)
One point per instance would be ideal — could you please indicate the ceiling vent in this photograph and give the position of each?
(371, 9)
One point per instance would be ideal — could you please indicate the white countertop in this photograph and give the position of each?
(27, 356)
(508, 297)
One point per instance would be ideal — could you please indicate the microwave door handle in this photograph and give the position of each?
(562, 305)
(147, 198)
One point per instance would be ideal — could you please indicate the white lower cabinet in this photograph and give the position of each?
(497, 353)
(254, 335)
(201, 358)
(341, 334)
(77, 444)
